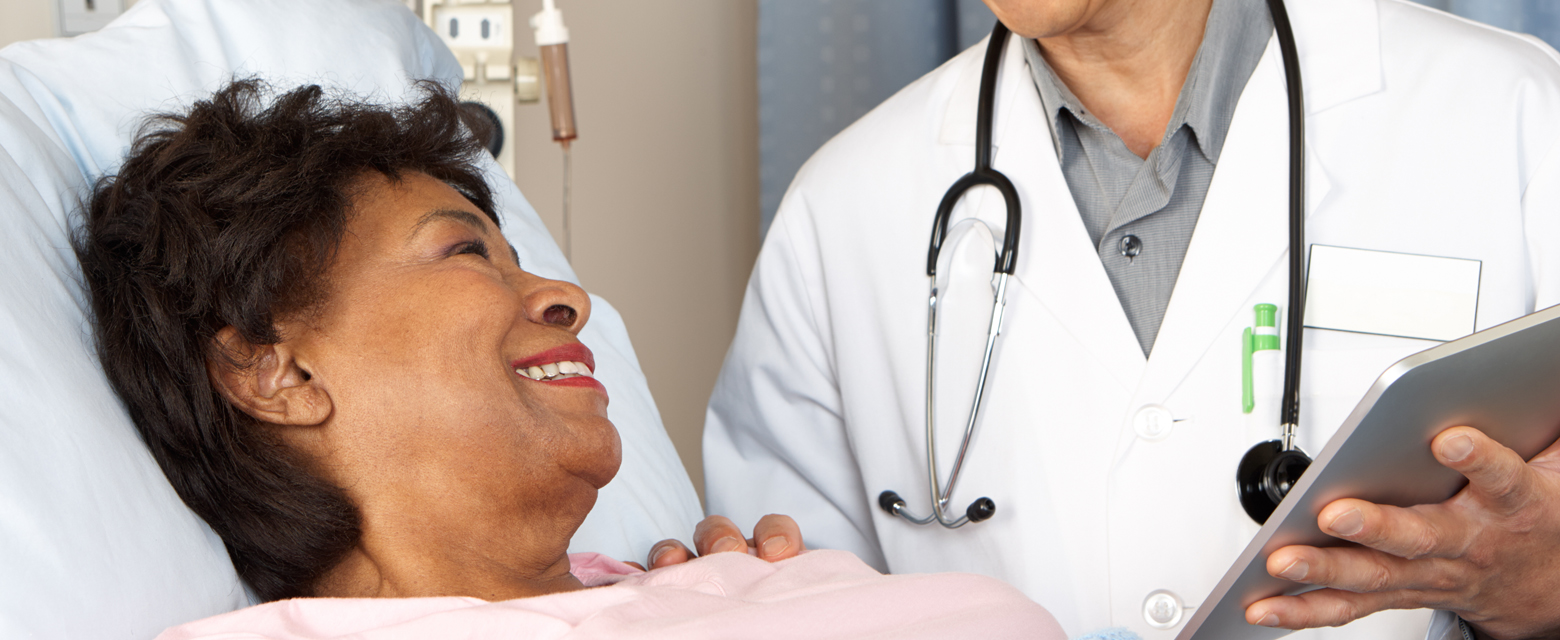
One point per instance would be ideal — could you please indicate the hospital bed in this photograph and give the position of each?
(93, 541)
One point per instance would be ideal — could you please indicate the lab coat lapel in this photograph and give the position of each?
(1241, 235)
(1242, 232)
(1057, 264)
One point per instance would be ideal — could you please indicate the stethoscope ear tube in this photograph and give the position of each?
(983, 173)
(1008, 258)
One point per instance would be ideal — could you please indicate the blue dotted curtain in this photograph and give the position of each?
(824, 63)
(1538, 17)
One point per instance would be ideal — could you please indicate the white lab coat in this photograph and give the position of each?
(1427, 134)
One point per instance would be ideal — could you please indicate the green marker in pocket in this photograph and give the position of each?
(1262, 337)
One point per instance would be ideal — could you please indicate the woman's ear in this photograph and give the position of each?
(266, 381)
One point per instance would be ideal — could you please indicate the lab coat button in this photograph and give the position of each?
(1153, 422)
(1162, 609)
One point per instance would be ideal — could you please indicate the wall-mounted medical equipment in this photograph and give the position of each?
(75, 17)
(481, 35)
(1270, 469)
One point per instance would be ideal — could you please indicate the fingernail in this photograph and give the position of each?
(775, 546)
(1269, 620)
(1347, 524)
(1456, 448)
(728, 544)
(655, 555)
(1295, 571)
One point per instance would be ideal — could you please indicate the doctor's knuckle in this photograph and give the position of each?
(1503, 481)
(1380, 577)
(1443, 581)
(1345, 610)
(1426, 542)
(1481, 558)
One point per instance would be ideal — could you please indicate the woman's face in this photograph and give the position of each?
(427, 318)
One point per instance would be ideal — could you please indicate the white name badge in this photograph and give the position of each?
(1391, 294)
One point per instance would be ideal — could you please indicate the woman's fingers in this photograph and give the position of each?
(667, 553)
(777, 538)
(718, 534)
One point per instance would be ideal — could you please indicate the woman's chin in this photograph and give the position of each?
(599, 462)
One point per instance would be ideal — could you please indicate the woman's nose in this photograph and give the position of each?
(559, 304)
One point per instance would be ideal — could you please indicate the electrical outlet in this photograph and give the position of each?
(75, 17)
(474, 26)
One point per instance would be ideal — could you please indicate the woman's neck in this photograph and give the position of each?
(363, 574)
(1127, 63)
(405, 557)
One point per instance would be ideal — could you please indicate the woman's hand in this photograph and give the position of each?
(775, 538)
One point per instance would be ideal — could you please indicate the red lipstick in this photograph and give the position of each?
(570, 352)
(575, 352)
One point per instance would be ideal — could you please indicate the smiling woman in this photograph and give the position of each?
(222, 224)
(341, 364)
(412, 362)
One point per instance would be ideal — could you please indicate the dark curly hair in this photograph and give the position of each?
(229, 215)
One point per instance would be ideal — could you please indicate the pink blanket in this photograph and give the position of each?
(821, 594)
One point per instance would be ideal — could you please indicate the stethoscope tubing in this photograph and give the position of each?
(984, 174)
(1289, 407)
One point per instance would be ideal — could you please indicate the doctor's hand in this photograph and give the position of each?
(1491, 553)
(775, 538)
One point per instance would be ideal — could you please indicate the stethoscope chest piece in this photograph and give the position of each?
(1266, 474)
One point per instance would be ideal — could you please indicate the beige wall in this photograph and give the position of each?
(665, 182)
(25, 20)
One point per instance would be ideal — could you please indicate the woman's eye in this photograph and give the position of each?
(477, 247)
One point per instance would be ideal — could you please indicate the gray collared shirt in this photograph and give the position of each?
(1149, 207)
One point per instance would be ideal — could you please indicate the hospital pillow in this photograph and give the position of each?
(94, 543)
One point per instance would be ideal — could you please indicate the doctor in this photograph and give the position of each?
(1148, 144)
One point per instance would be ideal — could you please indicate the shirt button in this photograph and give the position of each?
(1153, 422)
(1162, 609)
(1130, 246)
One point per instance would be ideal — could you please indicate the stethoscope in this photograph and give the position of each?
(1270, 469)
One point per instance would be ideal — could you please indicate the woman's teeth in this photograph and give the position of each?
(556, 370)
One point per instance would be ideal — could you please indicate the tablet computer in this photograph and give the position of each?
(1504, 381)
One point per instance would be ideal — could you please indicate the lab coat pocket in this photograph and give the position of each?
(1338, 371)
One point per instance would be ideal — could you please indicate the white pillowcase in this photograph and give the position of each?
(94, 543)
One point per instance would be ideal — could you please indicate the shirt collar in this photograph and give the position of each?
(1234, 40)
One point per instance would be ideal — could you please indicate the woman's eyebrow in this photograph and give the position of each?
(464, 217)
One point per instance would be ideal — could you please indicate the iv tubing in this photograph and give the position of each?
(568, 238)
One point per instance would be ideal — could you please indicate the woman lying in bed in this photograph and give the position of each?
(341, 365)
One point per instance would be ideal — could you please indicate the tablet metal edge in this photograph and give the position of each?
(1250, 576)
